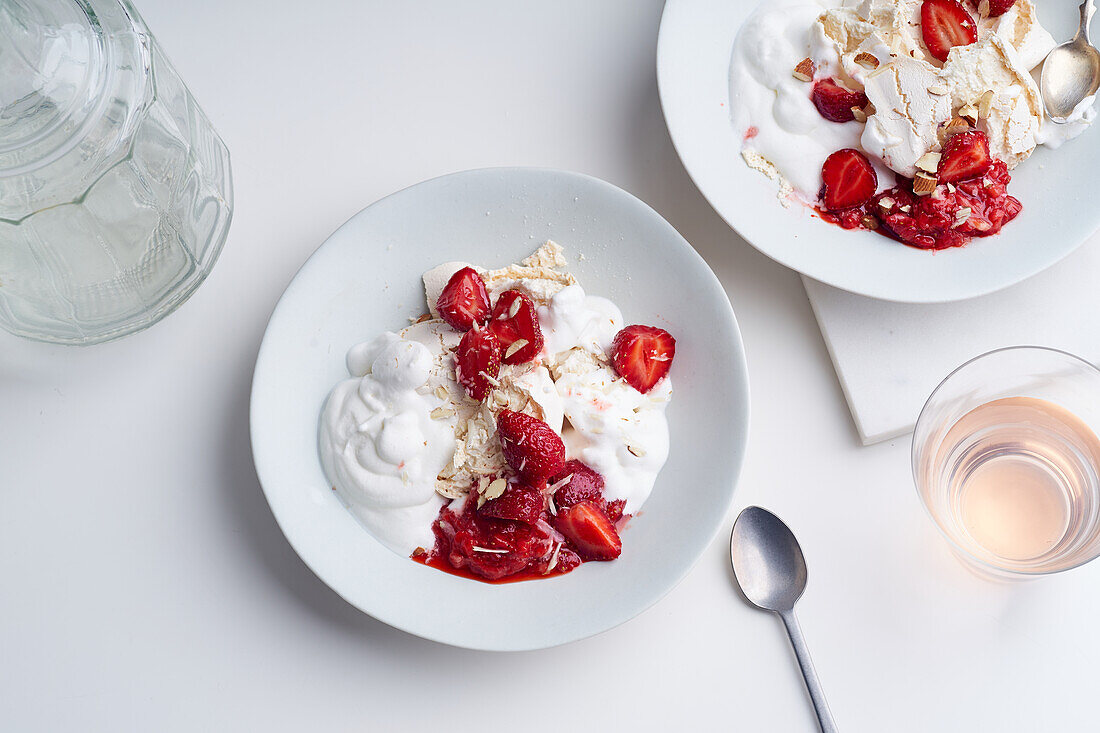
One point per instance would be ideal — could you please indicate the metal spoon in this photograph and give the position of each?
(1071, 71)
(771, 571)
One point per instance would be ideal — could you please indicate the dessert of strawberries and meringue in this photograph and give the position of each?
(510, 432)
(899, 116)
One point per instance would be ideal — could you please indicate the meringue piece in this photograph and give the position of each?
(1019, 26)
(897, 23)
(907, 116)
(854, 37)
(1016, 112)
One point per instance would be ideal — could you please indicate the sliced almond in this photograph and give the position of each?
(886, 203)
(929, 162)
(985, 104)
(805, 70)
(490, 551)
(441, 392)
(442, 413)
(905, 209)
(869, 222)
(983, 8)
(636, 452)
(951, 188)
(869, 109)
(866, 60)
(425, 317)
(859, 114)
(937, 89)
(953, 127)
(516, 305)
(969, 113)
(963, 214)
(495, 489)
(924, 184)
(489, 378)
(515, 346)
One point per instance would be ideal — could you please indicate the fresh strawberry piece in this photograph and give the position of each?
(464, 300)
(614, 509)
(530, 446)
(835, 102)
(515, 319)
(584, 484)
(477, 362)
(519, 503)
(591, 533)
(999, 7)
(964, 156)
(642, 355)
(849, 180)
(944, 25)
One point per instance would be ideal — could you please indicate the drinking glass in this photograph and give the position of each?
(115, 191)
(1007, 461)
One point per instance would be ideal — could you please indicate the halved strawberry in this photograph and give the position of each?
(944, 25)
(464, 300)
(849, 180)
(530, 446)
(642, 355)
(477, 362)
(584, 484)
(835, 102)
(515, 319)
(589, 530)
(964, 156)
(519, 502)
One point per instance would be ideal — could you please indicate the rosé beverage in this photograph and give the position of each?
(1014, 481)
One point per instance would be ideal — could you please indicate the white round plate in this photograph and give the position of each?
(365, 279)
(1055, 186)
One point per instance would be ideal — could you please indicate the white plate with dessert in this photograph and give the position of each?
(892, 148)
(502, 409)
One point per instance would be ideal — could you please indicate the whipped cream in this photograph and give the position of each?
(573, 319)
(381, 445)
(614, 428)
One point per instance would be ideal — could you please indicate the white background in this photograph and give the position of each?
(144, 585)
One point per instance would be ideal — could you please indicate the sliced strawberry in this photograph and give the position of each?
(944, 25)
(999, 7)
(584, 484)
(835, 102)
(464, 300)
(530, 446)
(519, 502)
(590, 532)
(849, 180)
(964, 156)
(642, 355)
(477, 362)
(514, 319)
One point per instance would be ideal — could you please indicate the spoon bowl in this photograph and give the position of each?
(1071, 72)
(767, 560)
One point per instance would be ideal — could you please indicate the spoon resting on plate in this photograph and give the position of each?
(1071, 72)
(771, 571)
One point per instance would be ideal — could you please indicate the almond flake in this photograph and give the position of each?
(886, 203)
(983, 8)
(954, 126)
(553, 559)
(969, 113)
(869, 222)
(425, 317)
(441, 392)
(442, 413)
(859, 114)
(905, 209)
(558, 484)
(869, 109)
(489, 378)
(951, 188)
(636, 452)
(963, 214)
(805, 70)
(985, 104)
(924, 184)
(490, 551)
(866, 60)
(516, 305)
(937, 90)
(495, 489)
(551, 506)
(929, 162)
(515, 346)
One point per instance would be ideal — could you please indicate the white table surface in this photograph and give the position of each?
(144, 585)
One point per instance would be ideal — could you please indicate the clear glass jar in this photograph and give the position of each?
(115, 191)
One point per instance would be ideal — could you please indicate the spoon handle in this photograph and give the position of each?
(1087, 9)
(813, 685)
